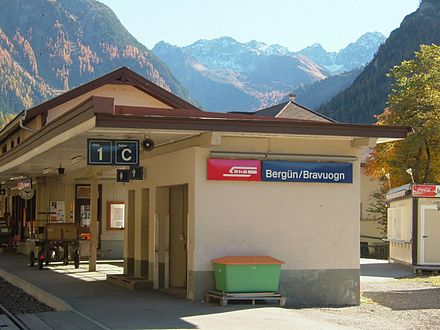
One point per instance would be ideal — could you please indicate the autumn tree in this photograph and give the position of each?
(414, 101)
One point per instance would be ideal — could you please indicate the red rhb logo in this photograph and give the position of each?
(234, 169)
(424, 191)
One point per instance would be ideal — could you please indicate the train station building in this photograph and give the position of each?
(154, 180)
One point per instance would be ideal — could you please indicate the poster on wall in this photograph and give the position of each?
(57, 211)
(85, 215)
(116, 215)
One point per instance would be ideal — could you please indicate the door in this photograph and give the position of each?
(430, 235)
(178, 236)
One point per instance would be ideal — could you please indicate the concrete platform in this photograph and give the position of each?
(90, 302)
(129, 282)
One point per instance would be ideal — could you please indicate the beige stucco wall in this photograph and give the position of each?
(176, 168)
(402, 251)
(123, 95)
(311, 226)
(308, 225)
(369, 226)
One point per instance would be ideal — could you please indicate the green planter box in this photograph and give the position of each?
(247, 274)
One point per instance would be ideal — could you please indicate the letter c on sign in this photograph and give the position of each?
(124, 154)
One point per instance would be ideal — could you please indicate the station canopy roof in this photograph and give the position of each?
(124, 105)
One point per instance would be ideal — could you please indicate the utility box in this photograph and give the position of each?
(247, 273)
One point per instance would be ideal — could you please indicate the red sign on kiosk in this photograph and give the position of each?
(425, 190)
(234, 169)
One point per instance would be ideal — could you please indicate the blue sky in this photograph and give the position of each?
(294, 24)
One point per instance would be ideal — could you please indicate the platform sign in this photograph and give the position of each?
(136, 172)
(122, 175)
(112, 152)
(126, 152)
(234, 169)
(99, 152)
(282, 171)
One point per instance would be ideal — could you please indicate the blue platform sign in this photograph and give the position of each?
(126, 152)
(99, 152)
(112, 152)
(281, 171)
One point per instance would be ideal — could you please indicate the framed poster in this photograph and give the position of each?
(85, 215)
(56, 209)
(115, 215)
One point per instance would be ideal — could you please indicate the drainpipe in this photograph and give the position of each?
(22, 118)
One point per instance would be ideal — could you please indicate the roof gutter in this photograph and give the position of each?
(21, 119)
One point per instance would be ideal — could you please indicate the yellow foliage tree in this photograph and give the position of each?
(414, 101)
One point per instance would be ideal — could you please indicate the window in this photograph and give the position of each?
(115, 215)
(4, 148)
(18, 140)
(12, 144)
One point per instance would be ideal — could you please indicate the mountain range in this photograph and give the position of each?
(48, 46)
(367, 96)
(225, 75)
(351, 57)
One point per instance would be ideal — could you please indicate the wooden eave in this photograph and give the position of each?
(107, 115)
(138, 117)
(121, 75)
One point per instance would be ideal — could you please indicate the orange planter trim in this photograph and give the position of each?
(247, 260)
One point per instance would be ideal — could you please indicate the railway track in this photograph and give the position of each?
(9, 321)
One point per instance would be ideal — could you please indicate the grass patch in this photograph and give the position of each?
(366, 300)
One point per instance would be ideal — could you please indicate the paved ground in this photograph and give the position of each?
(373, 270)
(390, 302)
(96, 304)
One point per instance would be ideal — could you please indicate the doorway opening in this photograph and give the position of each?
(172, 215)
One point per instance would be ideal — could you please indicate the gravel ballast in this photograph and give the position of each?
(396, 304)
(19, 302)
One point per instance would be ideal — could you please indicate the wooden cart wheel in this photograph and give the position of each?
(76, 259)
(32, 259)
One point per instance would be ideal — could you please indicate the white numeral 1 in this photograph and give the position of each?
(100, 153)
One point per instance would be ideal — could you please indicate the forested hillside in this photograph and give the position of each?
(48, 47)
(367, 96)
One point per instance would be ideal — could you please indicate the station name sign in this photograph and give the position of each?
(279, 171)
(112, 152)
(425, 190)
(307, 172)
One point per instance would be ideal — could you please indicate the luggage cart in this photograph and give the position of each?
(60, 242)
